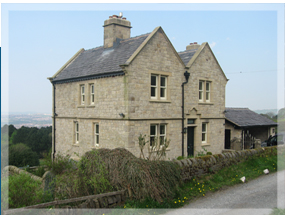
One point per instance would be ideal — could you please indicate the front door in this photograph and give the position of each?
(227, 139)
(190, 141)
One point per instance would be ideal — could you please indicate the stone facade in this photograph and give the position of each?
(124, 106)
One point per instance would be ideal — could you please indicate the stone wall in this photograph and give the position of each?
(199, 166)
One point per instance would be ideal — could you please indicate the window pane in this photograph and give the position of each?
(203, 137)
(191, 121)
(97, 129)
(162, 92)
(207, 96)
(151, 143)
(200, 95)
(97, 139)
(153, 130)
(200, 85)
(153, 92)
(92, 88)
(204, 127)
(77, 127)
(163, 81)
(161, 140)
(153, 80)
(207, 86)
(83, 98)
(82, 89)
(162, 129)
(92, 98)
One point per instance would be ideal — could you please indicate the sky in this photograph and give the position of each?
(247, 40)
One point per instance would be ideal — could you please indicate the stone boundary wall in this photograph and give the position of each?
(199, 166)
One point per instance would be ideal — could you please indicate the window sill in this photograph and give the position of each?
(75, 145)
(160, 101)
(90, 106)
(205, 103)
(95, 147)
(205, 144)
(81, 106)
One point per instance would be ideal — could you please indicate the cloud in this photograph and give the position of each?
(213, 44)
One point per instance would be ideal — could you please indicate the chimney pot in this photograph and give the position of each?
(114, 16)
(191, 43)
(124, 18)
(195, 42)
(110, 17)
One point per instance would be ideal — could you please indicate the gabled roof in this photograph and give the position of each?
(187, 55)
(243, 117)
(99, 61)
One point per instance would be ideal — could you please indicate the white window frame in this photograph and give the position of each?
(205, 132)
(157, 134)
(201, 91)
(208, 91)
(96, 136)
(155, 87)
(82, 94)
(76, 132)
(204, 92)
(158, 87)
(92, 94)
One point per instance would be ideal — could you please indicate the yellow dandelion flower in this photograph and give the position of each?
(175, 202)
(198, 183)
(183, 201)
(179, 200)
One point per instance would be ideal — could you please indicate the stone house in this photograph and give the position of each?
(245, 127)
(107, 96)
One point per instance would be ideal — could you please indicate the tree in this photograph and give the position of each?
(21, 155)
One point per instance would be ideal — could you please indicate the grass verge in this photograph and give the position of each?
(229, 176)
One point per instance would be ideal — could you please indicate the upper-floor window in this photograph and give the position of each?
(82, 94)
(92, 97)
(158, 88)
(204, 91)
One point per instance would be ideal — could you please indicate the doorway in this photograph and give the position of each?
(227, 139)
(190, 141)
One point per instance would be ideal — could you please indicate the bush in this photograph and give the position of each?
(24, 191)
(21, 155)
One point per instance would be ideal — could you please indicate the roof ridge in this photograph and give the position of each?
(123, 40)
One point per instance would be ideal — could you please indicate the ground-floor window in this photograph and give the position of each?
(96, 134)
(76, 128)
(157, 133)
(204, 132)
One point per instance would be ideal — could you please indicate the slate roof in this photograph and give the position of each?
(243, 117)
(187, 55)
(98, 61)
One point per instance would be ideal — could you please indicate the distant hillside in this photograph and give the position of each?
(28, 120)
(264, 111)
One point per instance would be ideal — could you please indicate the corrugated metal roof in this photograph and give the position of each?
(244, 117)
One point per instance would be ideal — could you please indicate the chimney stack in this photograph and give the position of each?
(116, 27)
(192, 46)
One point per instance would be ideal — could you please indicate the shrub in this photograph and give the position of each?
(21, 155)
(24, 191)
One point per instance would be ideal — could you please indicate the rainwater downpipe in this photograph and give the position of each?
(187, 75)
(54, 115)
